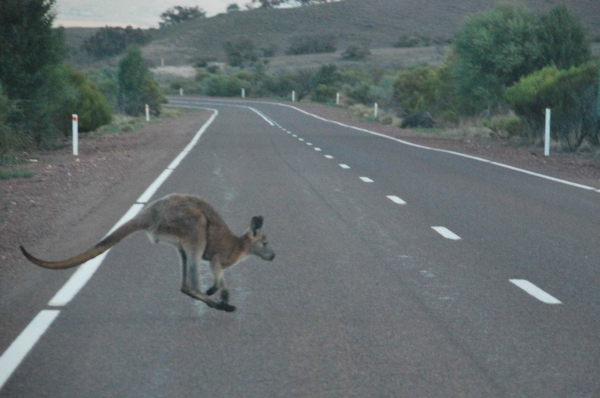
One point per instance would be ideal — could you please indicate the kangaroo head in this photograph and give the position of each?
(258, 240)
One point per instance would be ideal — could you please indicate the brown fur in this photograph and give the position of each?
(199, 233)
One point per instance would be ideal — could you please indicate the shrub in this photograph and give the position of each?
(356, 53)
(361, 93)
(506, 126)
(89, 103)
(571, 94)
(241, 52)
(108, 42)
(496, 48)
(415, 89)
(107, 82)
(225, 86)
(137, 86)
(324, 93)
(328, 75)
(311, 45)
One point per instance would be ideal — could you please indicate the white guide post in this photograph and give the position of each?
(162, 62)
(75, 135)
(337, 99)
(293, 96)
(547, 134)
(147, 112)
(181, 92)
(376, 111)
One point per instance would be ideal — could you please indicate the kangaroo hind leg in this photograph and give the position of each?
(190, 284)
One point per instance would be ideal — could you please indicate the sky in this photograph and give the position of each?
(137, 13)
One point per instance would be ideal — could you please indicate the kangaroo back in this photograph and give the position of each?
(131, 226)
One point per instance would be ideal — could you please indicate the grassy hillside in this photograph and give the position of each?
(378, 22)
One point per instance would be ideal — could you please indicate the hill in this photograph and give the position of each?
(377, 22)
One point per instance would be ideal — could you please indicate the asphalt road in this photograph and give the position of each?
(364, 298)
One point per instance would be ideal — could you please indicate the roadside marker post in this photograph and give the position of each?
(293, 96)
(181, 92)
(337, 99)
(75, 135)
(147, 112)
(376, 112)
(547, 134)
(243, 93)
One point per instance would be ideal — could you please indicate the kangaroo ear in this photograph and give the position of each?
(256, 224)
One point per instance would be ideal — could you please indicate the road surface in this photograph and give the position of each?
(400, 272)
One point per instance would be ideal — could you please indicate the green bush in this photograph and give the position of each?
(356, 53)
(361, 93)
(111, 41)
(496, 48)
(328, 75)
(324, 93)
(89, 104)
(137, 86)
(107, 82)
(571, 94)
(416, 89)
(311, 45)
(226, 86)
(506, 126)
(241, 52)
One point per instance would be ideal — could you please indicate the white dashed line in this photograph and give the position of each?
(329, 156)
(301, 139)
(294, 135)
(396, 199)
(344, 166)
(366, 179)
(535, 291)
(309, 144)
(318, 149)
(446, 233)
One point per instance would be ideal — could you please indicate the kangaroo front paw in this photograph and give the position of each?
(212, 290)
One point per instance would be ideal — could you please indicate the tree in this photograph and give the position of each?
(30, 65)
(233, 7)
(562, 39)
(493, 50)
(179, 14)
(240, 52)
(137, 86)
(496, 48)
(108, 42)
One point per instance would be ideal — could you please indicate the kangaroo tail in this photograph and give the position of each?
(131, 226)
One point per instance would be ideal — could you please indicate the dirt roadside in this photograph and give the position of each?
(84, 196)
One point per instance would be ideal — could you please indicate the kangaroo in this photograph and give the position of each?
(199, 234)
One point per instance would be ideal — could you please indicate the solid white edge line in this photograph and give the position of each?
(446, 233)
(262, 115)
(177, 160)
(535, 291)
(396, 199)
(18, 350)
(77, 281)
(366, 179)
(151, 190)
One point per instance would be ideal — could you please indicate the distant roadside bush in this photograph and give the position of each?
(356, 53)
(312, 45)
(107, 82)
(570, 94)
(88, 103)
(507, 126)
(488, 60)
(416, 89)
(225, 86)
(137, 86)
(241, 52)
(111, 41)
(324, 93)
